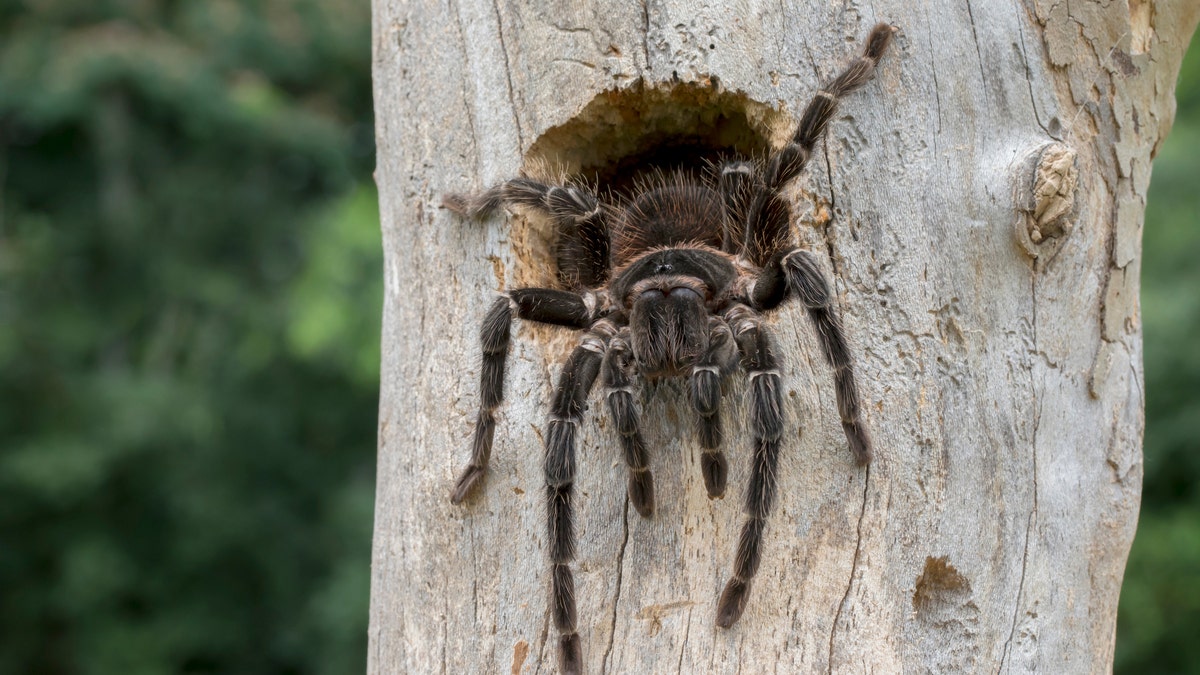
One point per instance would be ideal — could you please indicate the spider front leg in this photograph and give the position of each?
(618, 374)
(707, 374)
(535, 304)
(757, 351)
(566, 412)
(789, 162)
(766, 223)
(796, 273)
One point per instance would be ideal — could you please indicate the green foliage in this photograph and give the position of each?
(1171, 317)
(1160, 600)
(340, 250)
(189, 301)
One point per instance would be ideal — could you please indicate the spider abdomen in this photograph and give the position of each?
(671, 215)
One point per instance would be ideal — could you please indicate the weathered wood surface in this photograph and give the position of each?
(1004, 392)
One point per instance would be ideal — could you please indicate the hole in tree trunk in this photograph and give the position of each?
(624, 135)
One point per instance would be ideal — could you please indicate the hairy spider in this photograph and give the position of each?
(671, 282)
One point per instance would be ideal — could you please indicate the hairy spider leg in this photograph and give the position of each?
(758, 358)
(789, 161)
(582, 251)
(767, 220)
(795, 273)
(735, 182)
(708, 373)
(566, 412)
(545, 305)
(617, 372)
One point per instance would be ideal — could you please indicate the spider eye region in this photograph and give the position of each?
(678, 273)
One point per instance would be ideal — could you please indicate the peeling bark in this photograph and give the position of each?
(1001, 375)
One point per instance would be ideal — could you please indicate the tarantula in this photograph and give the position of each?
(669, 283)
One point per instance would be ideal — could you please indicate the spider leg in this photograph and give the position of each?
(795, 273)
(710, 369)
(766, 415)
(535, 304)
(789, 162)
(768, 215)
(566, 412)
(582, 223)
(618, 375)
(735, 183)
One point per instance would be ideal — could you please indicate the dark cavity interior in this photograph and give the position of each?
(626, 135)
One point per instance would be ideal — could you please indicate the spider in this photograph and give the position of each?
(670, 282)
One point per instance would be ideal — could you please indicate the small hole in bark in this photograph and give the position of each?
(938, 586)
(945, 626)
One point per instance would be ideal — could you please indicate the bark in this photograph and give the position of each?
(979, 208)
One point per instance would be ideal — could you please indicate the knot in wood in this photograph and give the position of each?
(1054, 192)
(1046, 186)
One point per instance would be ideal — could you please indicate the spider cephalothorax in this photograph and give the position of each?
(671, 282)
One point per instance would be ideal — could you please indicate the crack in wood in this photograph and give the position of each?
(445, 624)
(687, 632)
(978, 51)
(937, 96)
(1029, 73)
(646, 33)
(612, 634)
(541, 650)
(1037, 420)
(512, 99)
(470, 111)
(853, 570)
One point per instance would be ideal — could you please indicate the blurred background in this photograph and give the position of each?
(1159, 619)
(190, 291)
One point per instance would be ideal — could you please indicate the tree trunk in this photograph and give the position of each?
(978, 207)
